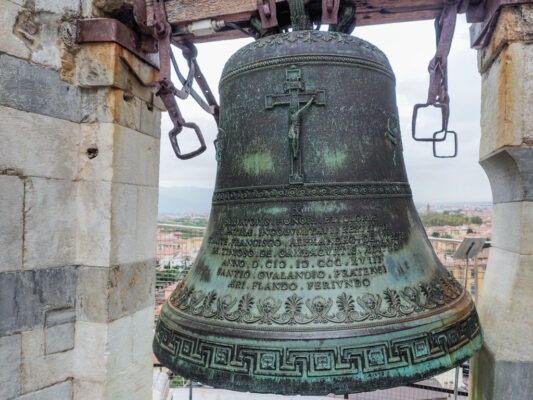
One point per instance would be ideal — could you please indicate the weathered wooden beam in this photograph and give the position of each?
(181, 13)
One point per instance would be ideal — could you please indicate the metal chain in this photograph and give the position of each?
(166, 90)
(438, 78)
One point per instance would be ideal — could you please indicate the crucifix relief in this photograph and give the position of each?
(298, 100)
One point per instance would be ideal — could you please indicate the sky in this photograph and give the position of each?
(409, 47)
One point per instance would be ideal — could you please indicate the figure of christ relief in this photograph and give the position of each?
(295, 122)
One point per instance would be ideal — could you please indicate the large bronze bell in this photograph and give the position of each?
(315, 275)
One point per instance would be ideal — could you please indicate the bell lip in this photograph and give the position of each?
(359, 381)
(174, 317)
(284, 386)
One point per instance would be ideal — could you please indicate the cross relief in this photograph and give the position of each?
(299, 100)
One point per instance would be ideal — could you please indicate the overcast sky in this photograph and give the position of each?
(409, 47)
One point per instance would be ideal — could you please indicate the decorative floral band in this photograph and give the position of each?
(297, 310)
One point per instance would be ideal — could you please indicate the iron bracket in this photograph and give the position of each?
(160, 29)
(267, 13)
(484, 17)
(101, 30)
(330, 11)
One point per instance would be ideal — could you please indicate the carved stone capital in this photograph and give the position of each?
(510, 172)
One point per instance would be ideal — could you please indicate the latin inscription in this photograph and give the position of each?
(302, 252)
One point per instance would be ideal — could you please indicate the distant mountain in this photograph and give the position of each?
(184, 200)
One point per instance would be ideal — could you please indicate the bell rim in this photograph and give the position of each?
(438, 357)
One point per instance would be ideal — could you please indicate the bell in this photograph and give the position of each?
(315, 275)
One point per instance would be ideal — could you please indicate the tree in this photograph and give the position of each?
(166, 277)
(435, 234)
(438, 219)
(476, 219)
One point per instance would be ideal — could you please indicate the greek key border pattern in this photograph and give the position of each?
(295, 361)
(311, 192)
(297, 310)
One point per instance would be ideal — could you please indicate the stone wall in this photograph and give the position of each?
(79, 160)
(504, 367)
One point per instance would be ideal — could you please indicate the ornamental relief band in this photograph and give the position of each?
(369, 360)
(300, 268)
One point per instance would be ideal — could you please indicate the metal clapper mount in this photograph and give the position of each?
(438, 79)
(161, 30)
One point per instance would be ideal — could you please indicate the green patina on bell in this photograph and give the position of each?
(316, 275)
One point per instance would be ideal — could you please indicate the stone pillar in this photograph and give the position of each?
(79, 158)
(504, 367)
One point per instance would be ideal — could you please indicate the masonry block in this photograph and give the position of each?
(119, 154)
(40, 370)
(146, 233)
(11, 223)
(57, 6)
(109, 105)
(506, 100)
(50, 223)
(36, 89)
(120, 339)
(59, 330)
(106, 294)
(134, 383)
(10, 349)
(137, 377)
(106, 212)
(60, 391)
(505, 304)
(89, 390)
(136, 158)
(93, 296)
(108, 64)
(514, 25)
(150, 120)
(94, 224)
(25, 297)
(132, 288)
(32, 143)
(123, 223)
(11, 43)
(45, 49)
(143, 326)
(513, 221)
(111, 372)
(500, 379)
(90, 354)
(96, 149)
